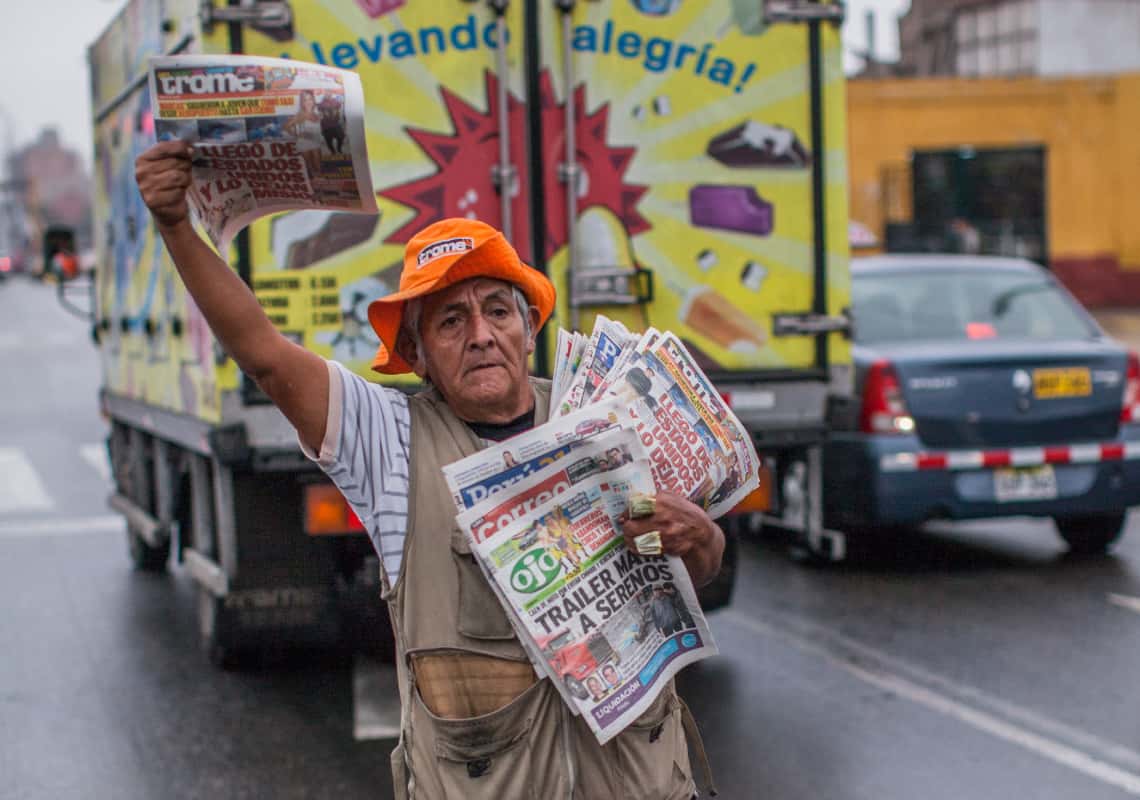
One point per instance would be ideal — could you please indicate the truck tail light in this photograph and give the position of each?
(1130, 407)
(327, 512)
(760, 498)
(884, 409)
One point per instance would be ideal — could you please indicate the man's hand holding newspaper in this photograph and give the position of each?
(262, 135)
(682, 530)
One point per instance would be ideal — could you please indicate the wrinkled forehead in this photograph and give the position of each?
(473, 291)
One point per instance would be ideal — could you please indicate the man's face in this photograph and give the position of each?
(475, 349)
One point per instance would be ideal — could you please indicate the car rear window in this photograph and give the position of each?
(960, 304)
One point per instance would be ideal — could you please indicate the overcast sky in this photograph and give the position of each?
(43, 61)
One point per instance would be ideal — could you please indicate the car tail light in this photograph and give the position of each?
(327, 512)
(1130, 407)
(884, 410)
(5, 263)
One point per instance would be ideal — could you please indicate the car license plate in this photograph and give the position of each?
(1025, 483)
(1063, 382)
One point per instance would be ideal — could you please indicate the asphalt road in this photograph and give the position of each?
(960, 662)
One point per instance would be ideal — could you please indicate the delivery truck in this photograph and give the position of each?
(668, 163)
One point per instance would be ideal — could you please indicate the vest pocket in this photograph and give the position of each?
(652, 754)
(490, 757)
(496, 769)
(481, 616)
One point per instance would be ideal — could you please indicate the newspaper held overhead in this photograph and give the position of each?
(267, 134)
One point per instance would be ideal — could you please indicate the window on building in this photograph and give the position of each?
(996, 193)
(997, 39)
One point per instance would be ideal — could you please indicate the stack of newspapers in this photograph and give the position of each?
(631, 415)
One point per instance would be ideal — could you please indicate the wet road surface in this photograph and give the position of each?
(961, 661)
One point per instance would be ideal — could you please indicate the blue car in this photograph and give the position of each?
(984, 390)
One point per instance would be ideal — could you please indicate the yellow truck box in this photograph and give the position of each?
(671, 163)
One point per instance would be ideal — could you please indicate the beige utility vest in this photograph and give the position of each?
(445, 613)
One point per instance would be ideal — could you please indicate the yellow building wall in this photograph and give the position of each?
(1088, 126)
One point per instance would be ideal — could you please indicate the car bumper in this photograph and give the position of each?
(894, 480)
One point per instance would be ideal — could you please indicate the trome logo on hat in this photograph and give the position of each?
(444, 247)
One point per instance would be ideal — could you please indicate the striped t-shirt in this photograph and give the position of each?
(365, 453)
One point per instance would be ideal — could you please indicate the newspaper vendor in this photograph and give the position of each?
(475, 722)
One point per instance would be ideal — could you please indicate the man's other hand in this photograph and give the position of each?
(686, 531)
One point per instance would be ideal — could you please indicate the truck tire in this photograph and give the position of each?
(1090, 534)
(144, 556)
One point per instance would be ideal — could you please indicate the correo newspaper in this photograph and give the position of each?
(611, 627)
(484, 519)
(499, 467)
(267, 134)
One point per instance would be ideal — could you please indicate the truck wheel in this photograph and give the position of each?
(575, 686)
(144, 556)
(1090, 534)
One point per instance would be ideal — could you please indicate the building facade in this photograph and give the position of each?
(991, 38)
(54, 189)
(1045, 168)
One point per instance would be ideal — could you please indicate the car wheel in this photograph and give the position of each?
(575, 687)
(1090, 534)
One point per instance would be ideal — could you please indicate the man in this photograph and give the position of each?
(664, 613)
(464, 320)
(332, 123)
(638, 384)
(559, 539)
(596, 687)
(674, 597)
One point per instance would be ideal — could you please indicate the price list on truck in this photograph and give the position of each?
(300, 302)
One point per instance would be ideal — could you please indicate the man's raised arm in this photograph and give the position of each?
(294, 378)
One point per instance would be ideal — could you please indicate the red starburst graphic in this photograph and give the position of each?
(462, 185)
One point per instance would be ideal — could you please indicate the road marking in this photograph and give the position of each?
(96, 455)
(988, 723)
(375, 700)
(61, 526)
(54, 339)
(1124, 601)
(1083, 751)
(21, 489)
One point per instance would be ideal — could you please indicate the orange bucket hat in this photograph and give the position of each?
(441, 255)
